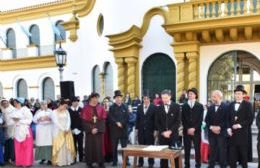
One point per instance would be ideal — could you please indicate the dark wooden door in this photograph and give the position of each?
(158, 73)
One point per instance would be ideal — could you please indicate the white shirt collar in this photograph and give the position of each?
(74, 109)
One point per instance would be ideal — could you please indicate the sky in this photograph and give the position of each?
(14, 4)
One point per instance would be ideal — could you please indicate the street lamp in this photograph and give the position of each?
(61, 59)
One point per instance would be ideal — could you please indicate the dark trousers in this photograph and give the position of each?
(145, 139)
(115, 141)
(196, 139)
(258, 151)
(218, 150)
(164, 162)
(234, 152)
(78, 142)
(9, 150)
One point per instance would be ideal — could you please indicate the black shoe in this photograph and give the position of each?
(114, 164)
(89, 166)
(140, 165)
(42, 161)
(101, 165)
(150, 166)
(128, 163)
(49, 162)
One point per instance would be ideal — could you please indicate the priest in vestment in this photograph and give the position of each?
(93, 119)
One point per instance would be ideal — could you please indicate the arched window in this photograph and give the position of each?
(96, 80)
(35, 35)
(22, 90)
(61, 30)
(100, 24)
(11, 41)
(1, 90)
(231, 69)
(48, 89)
(108, 79)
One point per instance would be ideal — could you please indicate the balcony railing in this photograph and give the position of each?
(226, 8)
(197, 10)
(31, 51)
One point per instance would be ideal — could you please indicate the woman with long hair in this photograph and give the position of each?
(63, 150)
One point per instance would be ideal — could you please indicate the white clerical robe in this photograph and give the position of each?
(43, 128)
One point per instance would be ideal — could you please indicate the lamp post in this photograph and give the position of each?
(61, 59)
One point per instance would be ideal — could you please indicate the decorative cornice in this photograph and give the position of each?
(72, 26)
(28, 63)
(80, 7)
(127, 43)
(149, 15)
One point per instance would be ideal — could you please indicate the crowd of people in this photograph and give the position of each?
(67, 131)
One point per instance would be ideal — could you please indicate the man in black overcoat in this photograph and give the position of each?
(118, 118)
(258, 137)
(216, 121)
(192, 117)
(145, 126)
(239, 120)
(167, 123)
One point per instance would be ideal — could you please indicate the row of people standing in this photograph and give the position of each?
(228, 126)
(54, 141)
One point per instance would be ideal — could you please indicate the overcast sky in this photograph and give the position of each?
(13, 4)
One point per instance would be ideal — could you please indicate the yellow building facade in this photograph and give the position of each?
(201, 33)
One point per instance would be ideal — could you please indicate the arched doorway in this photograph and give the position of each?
(231, 69)
(158, 73)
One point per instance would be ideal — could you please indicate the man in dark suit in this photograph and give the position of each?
(240, 117)
(145, 126)
(258, 137)
(192, 117)
(167, 122)
(216, 120)
(118, 118)
(76, 126)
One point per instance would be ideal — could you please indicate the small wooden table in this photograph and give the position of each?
(137, 151)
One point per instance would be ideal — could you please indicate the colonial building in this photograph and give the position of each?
(132, 45)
